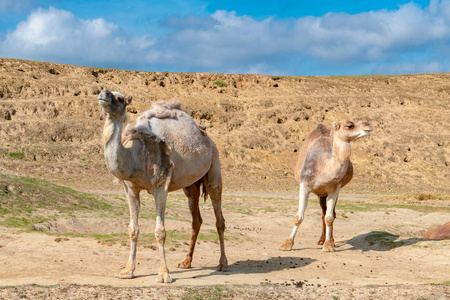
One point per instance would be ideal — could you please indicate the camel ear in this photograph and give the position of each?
(336, 125)
(128, 99)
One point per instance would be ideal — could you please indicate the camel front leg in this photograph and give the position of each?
(160, 195)
(299, 217)
(328, 246)
(133, 230)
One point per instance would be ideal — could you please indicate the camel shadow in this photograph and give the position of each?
(251, 266)
(319, 248)
(380, 241)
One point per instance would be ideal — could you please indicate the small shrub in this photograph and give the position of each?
(220, 83)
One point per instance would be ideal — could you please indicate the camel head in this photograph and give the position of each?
(349, 131)
(113, 103)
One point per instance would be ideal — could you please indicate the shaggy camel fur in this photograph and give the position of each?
(165, 151)
(323, 168)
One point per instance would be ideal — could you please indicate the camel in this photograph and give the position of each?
(165, 151)
(323, 168)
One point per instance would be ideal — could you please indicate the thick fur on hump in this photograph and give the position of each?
(200, 127)
(162, 109)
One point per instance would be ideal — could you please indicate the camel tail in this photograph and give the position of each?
(204, 191)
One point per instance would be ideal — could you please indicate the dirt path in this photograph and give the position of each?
(380, 248)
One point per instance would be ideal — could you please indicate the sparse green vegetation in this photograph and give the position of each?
(209, 292)
(220, 83)
(16, 155)
(23, 222)
(445, 283)
(20, 194)
(352, 207)
(25, 201)
(173, 237)
(239, 210)
(116, 238)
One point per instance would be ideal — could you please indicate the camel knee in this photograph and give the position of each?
(329, 220)
(298, 219)
(220, 224)
(214, 190)
(160, 234)
(133, 231)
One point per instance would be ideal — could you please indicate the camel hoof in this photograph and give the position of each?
(328, 247)
(320, 242)
(164, 278)
(186, 264)
(287, 246)
(125, 274)
(223, 266)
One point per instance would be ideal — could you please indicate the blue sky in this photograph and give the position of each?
(299, 37)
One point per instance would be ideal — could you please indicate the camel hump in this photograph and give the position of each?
(322, 130)
(169, 110)
(162, 109)
(318, 137)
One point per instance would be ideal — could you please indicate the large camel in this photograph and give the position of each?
(165, 151)
(323, 168)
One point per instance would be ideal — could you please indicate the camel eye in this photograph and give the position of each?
(350, 126)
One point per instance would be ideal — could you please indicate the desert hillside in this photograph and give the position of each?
(50, 123)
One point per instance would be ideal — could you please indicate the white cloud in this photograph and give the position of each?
(57, 35)
(243, 43)
(226, 42)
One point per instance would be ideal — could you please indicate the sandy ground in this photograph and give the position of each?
(77, 267)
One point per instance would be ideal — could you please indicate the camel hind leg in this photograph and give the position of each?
(323, 205)
(193, 194)
(330, 215)
(213, 185)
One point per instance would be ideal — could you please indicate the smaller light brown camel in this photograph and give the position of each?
(165, 151)
(323, 168)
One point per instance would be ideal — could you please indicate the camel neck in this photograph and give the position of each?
(115, 152)
(341, 150)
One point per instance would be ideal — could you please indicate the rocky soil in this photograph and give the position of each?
(50, 125)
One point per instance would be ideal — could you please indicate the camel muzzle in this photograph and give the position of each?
(104, 102)
(104, 99)
(368, 129)
(364, 132)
